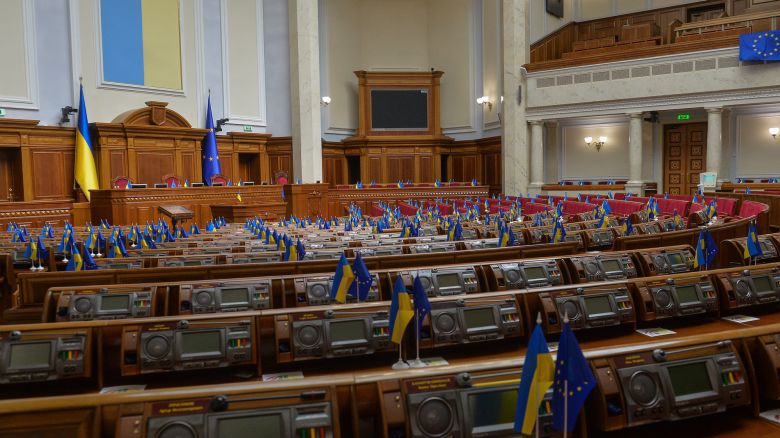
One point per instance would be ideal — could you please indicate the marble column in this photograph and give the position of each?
(537, 157)
(516, 51)
(714, 143)
(305, 90)
(634, 184)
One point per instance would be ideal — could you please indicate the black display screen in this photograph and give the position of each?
(251, 426)
(115, 302)
(763, 284)
(448, 280)
(535, 272)
(201, 343)
(399, 110)
(687, 294)
(691, 378)
(348, 331)
(235, 295)
(30, 355)
(598, 305)
(479, 318)
(492, 408)
(611, 265)
(675, 258)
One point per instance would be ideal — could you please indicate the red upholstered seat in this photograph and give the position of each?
(121, 182)
(376, 210)
(576, 207)
(750, 208)
(725, 206)
(281, 177)
(171, 181)
(218, 179)
(406, 209)
(683, 197)
(668, 206)
(696, 207)
(535, 208)
(624, 208)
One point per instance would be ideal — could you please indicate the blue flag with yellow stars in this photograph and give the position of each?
(210, 157)
(760, 46)
(573, 381)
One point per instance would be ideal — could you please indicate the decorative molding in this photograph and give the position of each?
(259, 120)
(737, 133)
(764, 95)
(32, 99)
(108, 85)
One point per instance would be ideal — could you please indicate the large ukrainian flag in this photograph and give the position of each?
(85, 170)
(141, 42)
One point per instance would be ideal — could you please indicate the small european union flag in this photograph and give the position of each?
(760, 46)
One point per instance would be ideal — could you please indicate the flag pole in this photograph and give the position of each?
(536, 391)
(400, 365)
(565, 388)
(417, 363)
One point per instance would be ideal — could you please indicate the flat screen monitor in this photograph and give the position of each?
(763, 284)
(197, 184)
(535, 273)
(766, 246)
(248, 183)
(160, 186)
(481, 318)
(30, 356)
(691, 378)
(611, 265)
(115, 302)
(250, 426)
(399, 109)
(350, 331)
(492, 410)
(235, 295)
(200, 344)
(597, 305)
(194, 262)
(138, 186)
(687, 294)
(675, 258)
(448, 280)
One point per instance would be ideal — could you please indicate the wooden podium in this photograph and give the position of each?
(307, 200)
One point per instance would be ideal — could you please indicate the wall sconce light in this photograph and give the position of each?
(597, 144)
(485, 100)
(325, 101)
(773, 132)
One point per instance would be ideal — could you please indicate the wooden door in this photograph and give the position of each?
(685, 157)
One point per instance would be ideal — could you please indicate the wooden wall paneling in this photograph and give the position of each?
(117, 162)
(373, 169)
(151, 165)
(426, 169)
(48, 175)
(400, 168)
(188, 170)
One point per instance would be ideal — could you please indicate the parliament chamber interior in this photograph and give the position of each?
(389, 218)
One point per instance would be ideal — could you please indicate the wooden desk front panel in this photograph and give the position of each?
(339, 200)
(139, 205)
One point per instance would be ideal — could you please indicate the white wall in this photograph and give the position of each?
(402, 35)
(757, 153)
(581, 161)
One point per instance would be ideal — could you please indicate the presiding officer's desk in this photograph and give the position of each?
(137, 206)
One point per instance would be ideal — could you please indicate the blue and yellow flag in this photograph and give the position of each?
(706, 250)
(342, 280)
(401, 311)
(85, 170)
(559, 232)
(535, 380)
(752, 246)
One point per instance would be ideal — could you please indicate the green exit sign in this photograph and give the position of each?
(2, 112)
(684, 116)
(247, 128)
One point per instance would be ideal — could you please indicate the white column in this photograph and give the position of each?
(714, 144)
(537, 156)
(516, 50)
(634, 184)
(305, 88)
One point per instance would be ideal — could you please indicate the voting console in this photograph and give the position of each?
(106, 303)
(45, 355)
(217, 297)
(667, 385)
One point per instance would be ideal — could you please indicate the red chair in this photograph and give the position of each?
(281, 177)
(171, 180)
(121, 182)
(218, 179)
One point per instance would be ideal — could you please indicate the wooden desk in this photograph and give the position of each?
(339, 199)
(594, 189)
(140, 205)
(240, 212)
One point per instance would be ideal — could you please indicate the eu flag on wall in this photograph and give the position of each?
(210, 157)
(760, 46)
